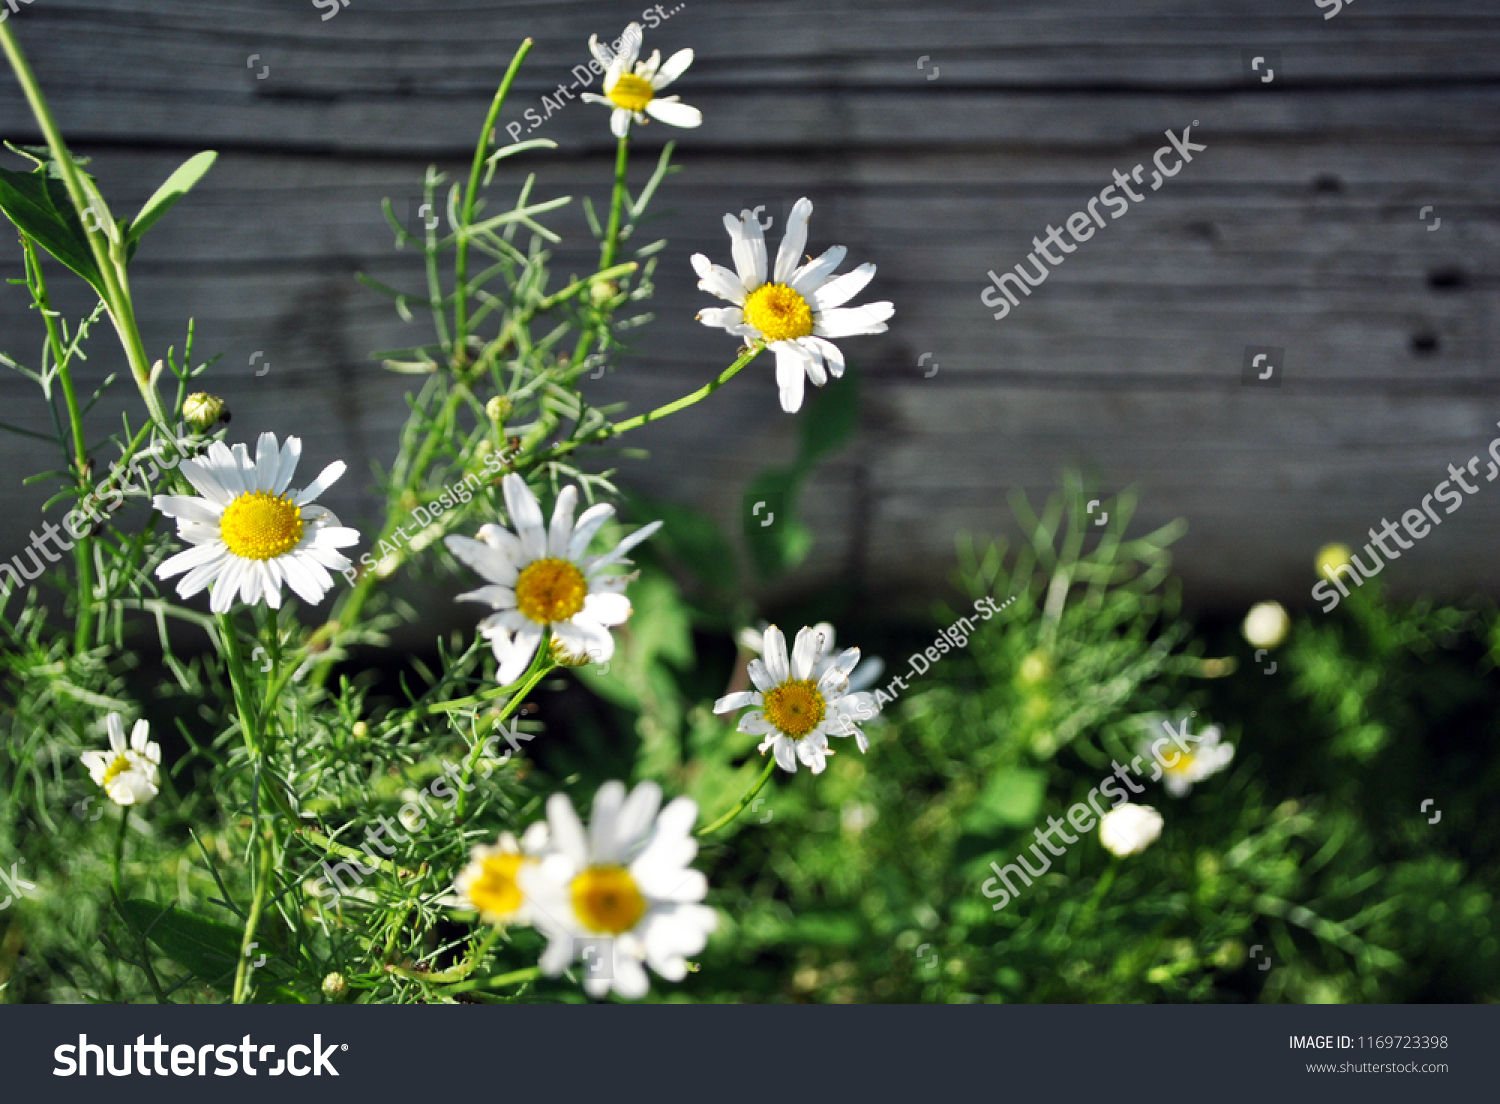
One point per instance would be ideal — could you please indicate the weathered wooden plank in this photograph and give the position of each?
(1297, 228)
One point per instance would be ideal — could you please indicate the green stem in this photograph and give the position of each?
(1101, 887)
(458, 973)
(515, 977)
(461, 251)
(611, 244)
(339, 850)
(544, 665)
(239, 682)
(657, 414)
(242, 971)
(82, 552)
(116, 292)
(119, 856)
(750, 796)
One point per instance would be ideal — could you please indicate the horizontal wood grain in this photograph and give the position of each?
(1298, 228)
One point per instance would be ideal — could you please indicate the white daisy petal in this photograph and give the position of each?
(189, 558)
(718, 280)
(607, 609)
(291, 453)
(832, 356)
(791, 374)
(722, 318)
(838, 291)
(853, 321)
(188, 509)
(326, 478)
(773, 653)
(494, 596)
(589, 523)
(205, 482)
(794, 241)
(267, 461)
(676, 65)
(730, 702)
(522, 650)
(760, 676)
(748, 246)
(526, 516)
(786, 753)
(494, 566)
(805, 653)
(668, 110)
(619, 122)
(561, 529)
(811, 276)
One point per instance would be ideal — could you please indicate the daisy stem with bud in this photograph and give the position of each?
(749, 797)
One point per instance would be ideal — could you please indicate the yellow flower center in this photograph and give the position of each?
(261, 525)
(495, 890)
(778, 312)
(632, 93)
(550, 591)
(1182, 765)
(606, 899)
(119, 766)
(795, 708)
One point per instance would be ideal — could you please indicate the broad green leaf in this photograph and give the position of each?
(173, 188)
(39, 206)
(209, 948)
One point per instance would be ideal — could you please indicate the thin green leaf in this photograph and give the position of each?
(173, 188)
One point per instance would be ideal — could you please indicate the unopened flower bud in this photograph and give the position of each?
(602, 292)
(360, 730)
(202, 410)
(498, 409)
(563, 657)
(335, 986)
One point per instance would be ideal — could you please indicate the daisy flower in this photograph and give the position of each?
(540, 579)
(1207, 757)
(249, 533)
(491, 884)
(864, 675)
(794, 308)
(129, 774)
(1129, 829)
(633, 94)
(621, 896)
(799, 708)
